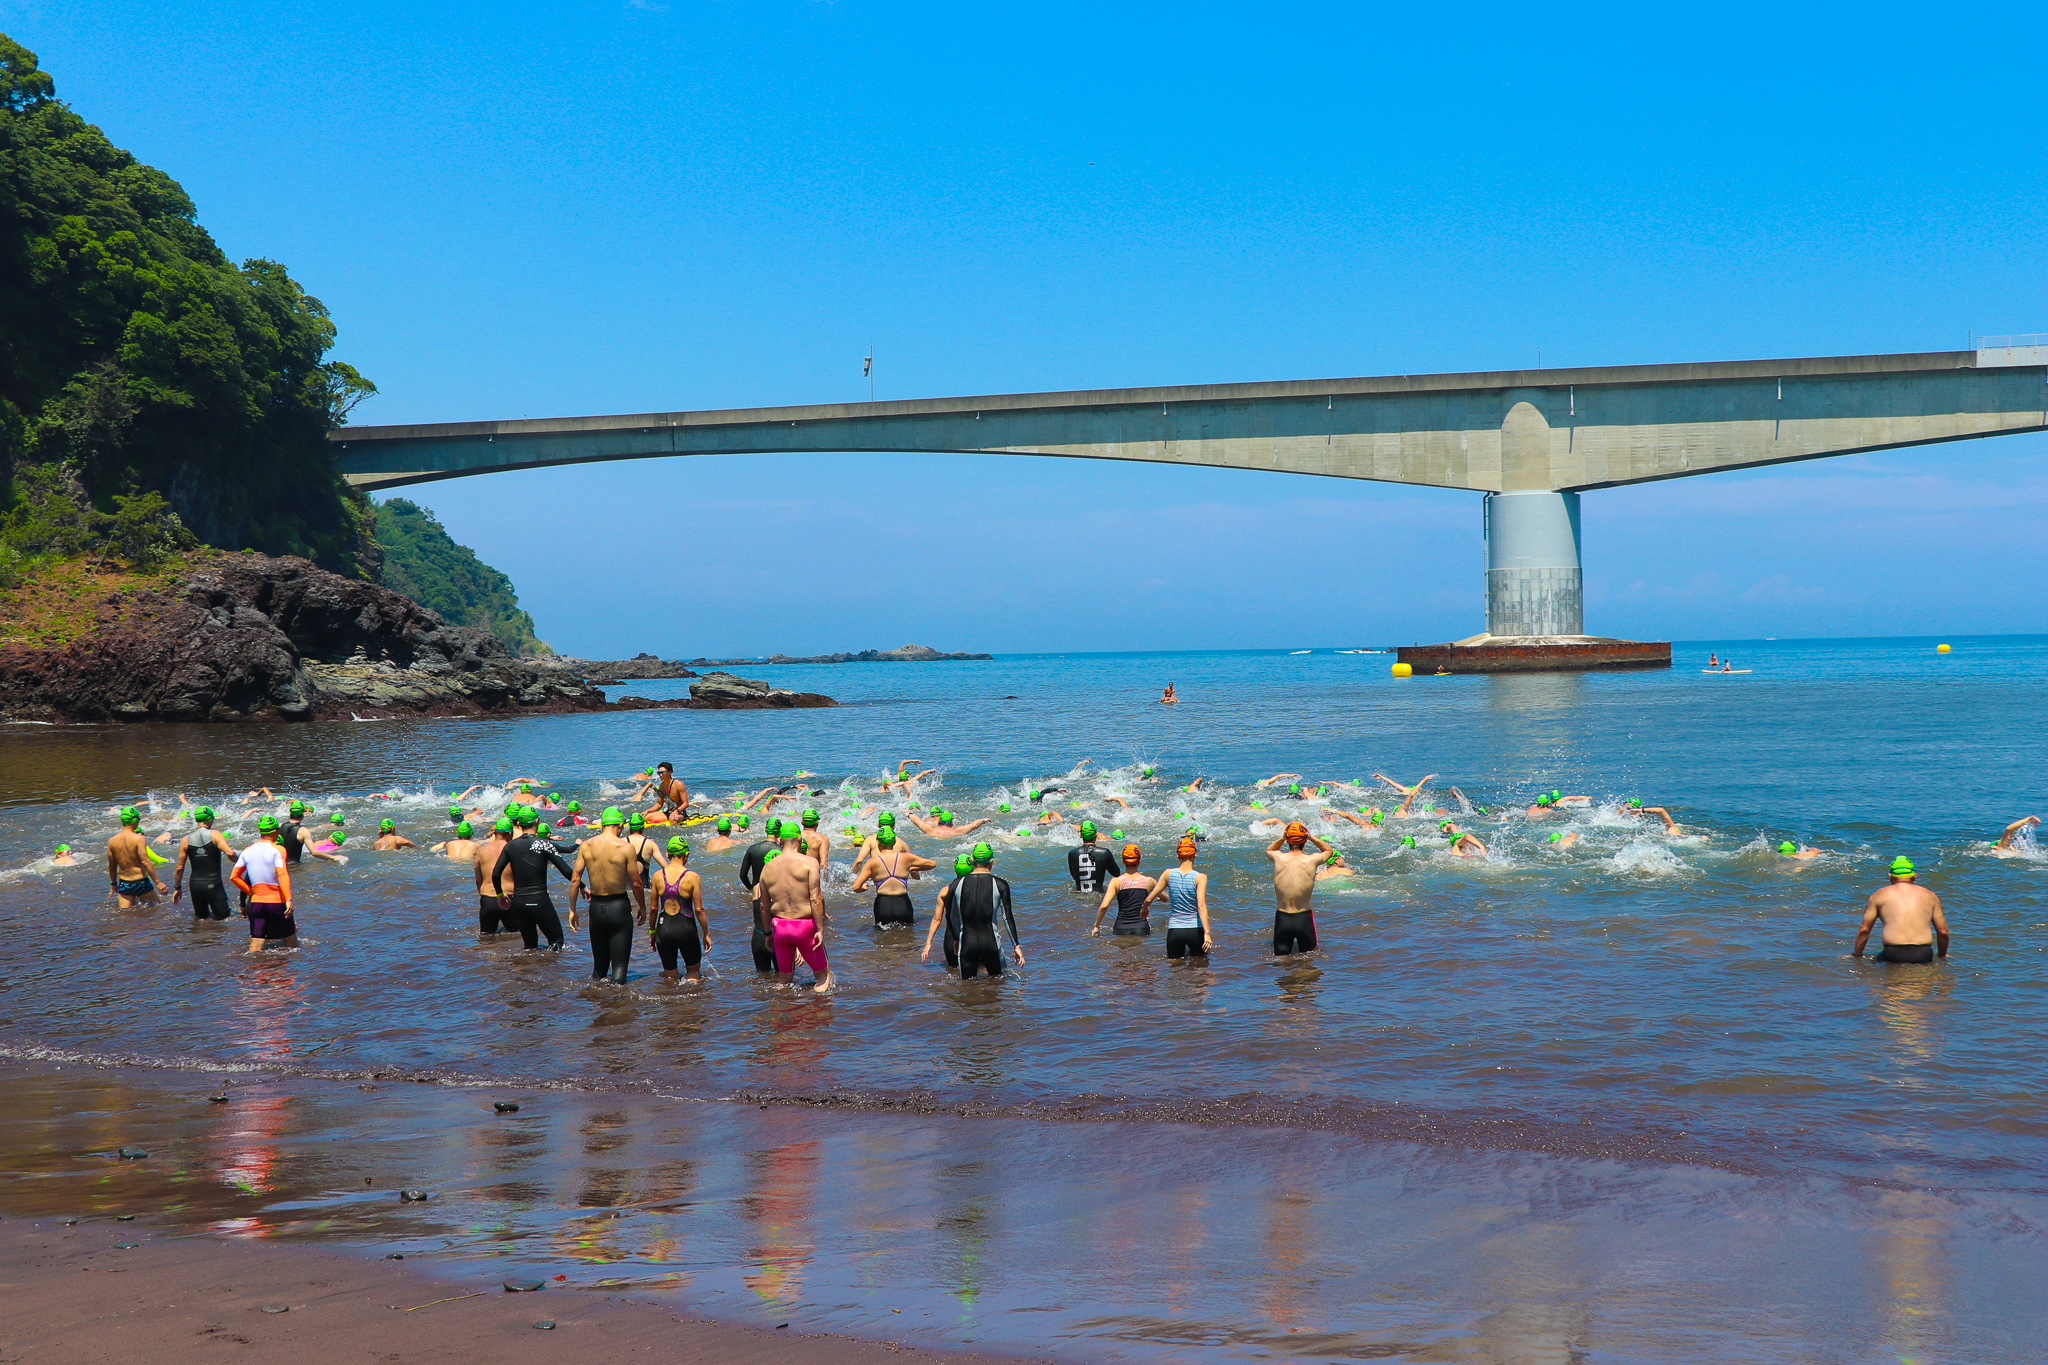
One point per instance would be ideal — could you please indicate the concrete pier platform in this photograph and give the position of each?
(1535, 654)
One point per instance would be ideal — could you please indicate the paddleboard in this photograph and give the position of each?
(1730, 671)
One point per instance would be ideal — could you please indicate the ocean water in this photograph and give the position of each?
(1628, 1100)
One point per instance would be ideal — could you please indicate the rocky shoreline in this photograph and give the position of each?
(251, 637)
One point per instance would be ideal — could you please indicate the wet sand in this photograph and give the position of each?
(190, 1297)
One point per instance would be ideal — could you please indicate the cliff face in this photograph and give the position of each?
(252, 637)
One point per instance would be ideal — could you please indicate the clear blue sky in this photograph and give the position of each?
(620, 207)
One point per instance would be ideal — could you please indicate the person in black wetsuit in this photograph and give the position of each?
(1130, 894)
(531, 911)
(947, 911)
(1091, 866)
(679, 923)
(980, 895)
(291, 836)
(751, 863)
(202, 849)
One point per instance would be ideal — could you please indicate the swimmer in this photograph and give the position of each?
(1169, 697)
(891, 866)
(870, 844)
(751, 864)
(909, 783)
(942, 826)
(1796, 852)
(1914, 929)
(264, 876)
(679, 923)
(1052, 817)
(1670, 825)
(465, 795)
(1562, 839)
(1462, 844)
(1187, 905)
(1335, 866)
(203, 849)
(1147, 774)
(1042, 793)
(982, 893)
(1194, 785)
(1294, 882)
(1369, 818)
(63, 857)
(1541, 810)
(613, 867)
(1277, 778)
(455, 816)
(572, 815)
(814, 842)
(131, 880)
(1090, 865)
(291, 837)
(946, 911)
(1409, 792)
(670, 794)
(793, 902)
(462, 848)
(2004, 846)
(388, 838)
(492, 890)
(1131, 894)
(723, 840)
(529, 908)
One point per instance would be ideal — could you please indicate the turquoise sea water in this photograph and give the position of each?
(1656, 1048)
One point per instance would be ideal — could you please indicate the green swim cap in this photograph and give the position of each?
(1036, 795)
(1258, 805)
(1294, 789)
(267, 823)
(1379, 817)
(811, 818)
(678, 846)
(545, 829)
(385, 827)
(887, 817)
(636, 821)
(202, 813)
(337, 836)
(915, 806)
(1003, 806)
(1331, 861)
(945, 817)
(1788, 848)
(1556, 835)
(1635, 803)
(298, 808)
(1555, 795)
(725, 824)
(63, 848)
(1116, 834)
(554, 796)
(526, 787)
(1148, 772)
(744, 821)
(983, 855)
(1902, 866)
(1542, 800)
(464, 830)
(1407, 841)
(455, 812)
(1087, 829)
(336, 819)
(504, 824)
(1072, 804)
(574, 808)
(611, 816)
(130, 816)
(885, 836)
(1443, 826)
(962, 865)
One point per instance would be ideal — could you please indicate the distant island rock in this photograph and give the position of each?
(603, 673)
(904, 654)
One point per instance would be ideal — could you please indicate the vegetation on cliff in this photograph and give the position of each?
(151, 391)
(424, 563)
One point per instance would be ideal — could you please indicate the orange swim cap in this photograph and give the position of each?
(1185, 848)
(1131, 855)
(1297, 834)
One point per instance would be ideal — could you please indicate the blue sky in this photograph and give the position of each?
(618, 207)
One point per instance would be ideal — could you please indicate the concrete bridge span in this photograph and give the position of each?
(1530, 439)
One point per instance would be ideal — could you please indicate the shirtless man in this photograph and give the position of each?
(941, 825)
(63, 857)
(1294, 881)
(1410, 793)
(816, 844)
(203, 849)
(1168, 697)
(388, 838)
(131, 879)
(723, 840)
(793, 902)
(1914, 929)
(461, 848)
(891, 866)
(1796, 852)
(670, 794)
(2004, 846)
(1564, 839)
(1462, 844)
(493, 891)
(612, 866)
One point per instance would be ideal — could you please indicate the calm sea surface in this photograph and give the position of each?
(1631, 1100)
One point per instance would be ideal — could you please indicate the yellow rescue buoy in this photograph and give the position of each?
(1403, 671)
(1941, 649)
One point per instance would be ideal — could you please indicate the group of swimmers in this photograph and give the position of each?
(632, 881)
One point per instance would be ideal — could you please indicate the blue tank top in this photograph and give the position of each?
(1182, 911)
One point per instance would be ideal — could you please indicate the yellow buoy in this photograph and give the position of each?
(1941, 649)
(1403, 671)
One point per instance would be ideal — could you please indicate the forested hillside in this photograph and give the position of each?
(421, 561)
(150, 389)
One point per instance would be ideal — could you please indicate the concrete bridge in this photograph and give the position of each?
(1530, 440)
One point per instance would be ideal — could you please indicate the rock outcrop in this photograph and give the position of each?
(906, 654)
(602, 672)
(724, 692)
(252, 637)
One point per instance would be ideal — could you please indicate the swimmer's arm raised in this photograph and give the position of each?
(1670, 825)
(2005, 840)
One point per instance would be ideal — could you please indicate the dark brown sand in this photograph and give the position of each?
(70, 1296)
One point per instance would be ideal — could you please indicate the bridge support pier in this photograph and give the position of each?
(1533, 582)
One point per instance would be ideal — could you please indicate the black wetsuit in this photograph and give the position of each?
(950, 935)
(1092, 867)
(751, 863)
(202, 865)
(979, 895)
(611, 936)
(291, 836)
(1294, 931)
(533, 913)
(1130, 910)
(675, 931)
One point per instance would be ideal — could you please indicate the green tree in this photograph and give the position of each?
(425, 563)
(136, 359)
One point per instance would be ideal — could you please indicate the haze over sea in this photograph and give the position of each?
(1628, 1101)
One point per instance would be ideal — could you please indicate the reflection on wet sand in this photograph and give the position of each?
(783, 1185)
